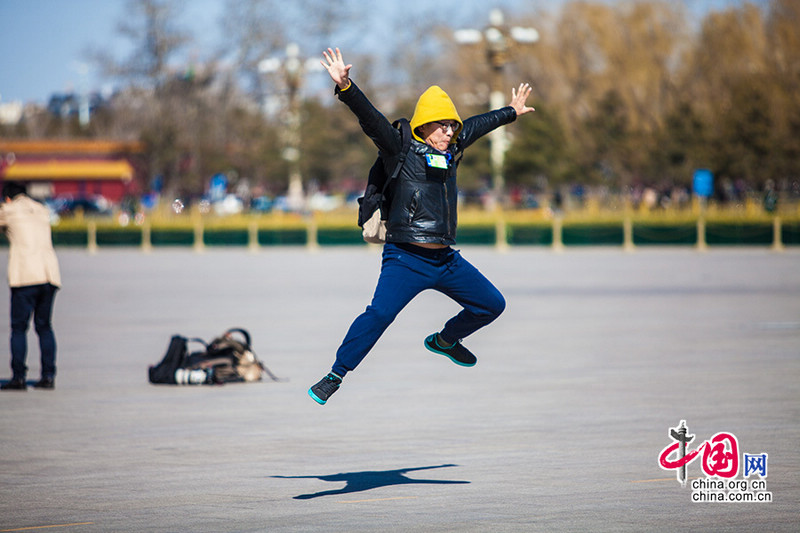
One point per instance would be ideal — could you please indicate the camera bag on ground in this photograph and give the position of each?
(227, 359)
(373, 207)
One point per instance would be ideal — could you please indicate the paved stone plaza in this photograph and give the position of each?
(558, 428)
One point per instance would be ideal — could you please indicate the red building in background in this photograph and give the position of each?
(76, 168)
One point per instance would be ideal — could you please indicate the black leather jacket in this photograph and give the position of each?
(424, 199)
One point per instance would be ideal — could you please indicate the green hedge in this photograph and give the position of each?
(665, 234)
(226, 237)
(70, 237)
(340, 236)
(282, 237)
(529, 235)
(171, 237)
(790, 233)
(604, 234)
(477, 235)
(717, 233)
(740, 234)
(119, 237)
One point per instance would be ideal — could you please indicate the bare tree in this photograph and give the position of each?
(783, 31)
(151, 27)
(632, 91)
(253, 33)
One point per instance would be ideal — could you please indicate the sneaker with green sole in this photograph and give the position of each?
(325, 388)
(456, 353)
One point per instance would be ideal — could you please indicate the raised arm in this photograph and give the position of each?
(372, 122)
(477, 126)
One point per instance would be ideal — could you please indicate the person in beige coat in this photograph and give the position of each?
(34, 278)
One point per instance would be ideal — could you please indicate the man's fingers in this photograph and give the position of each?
(522, 92)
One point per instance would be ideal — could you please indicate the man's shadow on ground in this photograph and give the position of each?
(363, 481)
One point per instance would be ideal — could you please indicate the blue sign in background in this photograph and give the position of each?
(703, 183)
(218, 187)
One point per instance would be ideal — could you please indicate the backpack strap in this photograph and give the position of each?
(242, 332)
(405, 135)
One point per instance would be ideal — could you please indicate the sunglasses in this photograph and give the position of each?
(448, 125)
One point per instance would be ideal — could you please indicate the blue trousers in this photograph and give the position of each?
(404, 275)
(36, 300)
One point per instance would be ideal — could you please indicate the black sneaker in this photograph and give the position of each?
(45, 383)
(325, 388)
(15, 384)
(456, 353)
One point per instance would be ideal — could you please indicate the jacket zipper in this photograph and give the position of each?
(413, 207)
(447, 209)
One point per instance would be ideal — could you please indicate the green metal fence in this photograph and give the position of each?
(554, 233)
(665, 234)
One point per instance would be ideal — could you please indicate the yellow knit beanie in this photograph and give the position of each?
(434, 105)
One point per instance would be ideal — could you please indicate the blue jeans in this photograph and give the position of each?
(36, 300)
(403, 276)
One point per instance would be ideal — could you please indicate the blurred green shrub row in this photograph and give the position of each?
(545, 233)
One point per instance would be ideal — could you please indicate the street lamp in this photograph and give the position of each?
(83, 95)
(293, 68)
(499, 40)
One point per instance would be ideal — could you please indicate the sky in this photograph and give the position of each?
(43, 43)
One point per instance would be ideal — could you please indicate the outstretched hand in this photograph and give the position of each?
(338, 71)
(518, 97)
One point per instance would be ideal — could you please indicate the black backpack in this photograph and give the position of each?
(175, 358)
(375, 194)
(227, 359)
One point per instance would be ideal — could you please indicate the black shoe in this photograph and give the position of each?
(325, 388)
(15, 384)
(45, 383)
(456, 353)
